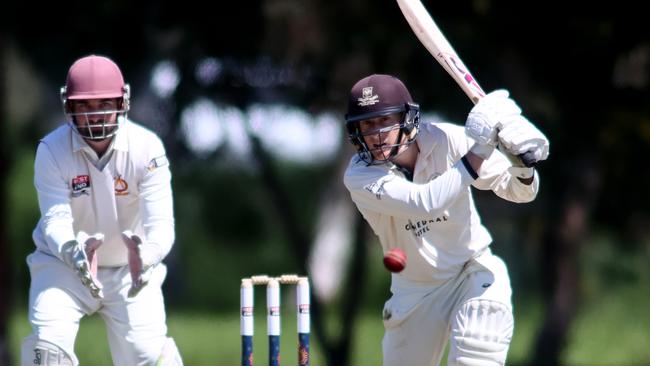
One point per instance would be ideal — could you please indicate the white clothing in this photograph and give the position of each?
(132, 192)
(136, 328)
(420, 320)
(128, 188)
(434, 220)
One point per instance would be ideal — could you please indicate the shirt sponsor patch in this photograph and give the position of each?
(157, 163)
(80, 185)
(421, 227)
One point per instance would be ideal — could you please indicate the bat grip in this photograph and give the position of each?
(528, 158)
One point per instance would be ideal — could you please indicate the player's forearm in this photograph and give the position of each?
(56, 224)
(474, 161)
(400, 197)
(160, 239)
(156, 206)
(514, 190)
(57, 236)
(53, 200)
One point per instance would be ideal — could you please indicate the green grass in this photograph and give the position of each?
(610, 328)
(212, 339)
(204, 339)
(209, 339)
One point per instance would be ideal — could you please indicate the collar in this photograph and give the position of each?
(426, 143)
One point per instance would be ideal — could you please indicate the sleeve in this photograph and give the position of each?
(53, 200)
(380, 191)
(495, 175)
(156, 202)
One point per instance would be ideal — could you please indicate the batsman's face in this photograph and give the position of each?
(380, 134)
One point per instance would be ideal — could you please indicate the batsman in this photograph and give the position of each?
(412, 182)
(104, 192)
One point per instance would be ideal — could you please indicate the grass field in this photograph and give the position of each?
(611, 326)
(611, 329)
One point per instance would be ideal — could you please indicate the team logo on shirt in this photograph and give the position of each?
(121, 186)
(80, 185)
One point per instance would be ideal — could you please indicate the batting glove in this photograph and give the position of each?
(143, 258)
(518, 135)
(488, 115)
(80, 255)
(518, 169)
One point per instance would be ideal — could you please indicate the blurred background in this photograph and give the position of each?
(248, 98)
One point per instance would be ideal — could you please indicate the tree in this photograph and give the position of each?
(5, 168)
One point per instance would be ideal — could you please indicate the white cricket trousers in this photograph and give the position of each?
(136, 327)
(473, 312)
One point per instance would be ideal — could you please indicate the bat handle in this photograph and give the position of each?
(528, 158)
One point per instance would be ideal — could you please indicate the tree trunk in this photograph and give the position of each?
(5, 281)
(561, 252)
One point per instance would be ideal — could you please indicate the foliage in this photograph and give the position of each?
(582, 79)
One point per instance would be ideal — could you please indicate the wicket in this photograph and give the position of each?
(273, 316)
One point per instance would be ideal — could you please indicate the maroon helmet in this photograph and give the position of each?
(376, 96)
(95, 77)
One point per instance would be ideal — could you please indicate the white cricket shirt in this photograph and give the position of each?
(129, 188)
(433, 219)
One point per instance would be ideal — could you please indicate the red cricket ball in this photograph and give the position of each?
(395, 260)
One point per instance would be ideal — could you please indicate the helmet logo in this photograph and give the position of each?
(367, 98)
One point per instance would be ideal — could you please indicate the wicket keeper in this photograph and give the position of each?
(107, 222)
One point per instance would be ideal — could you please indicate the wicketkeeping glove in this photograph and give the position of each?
(80, 255)
(143, 258)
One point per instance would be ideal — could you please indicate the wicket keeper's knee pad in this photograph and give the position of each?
(481, 333)
(36, 351)
(169, 356)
